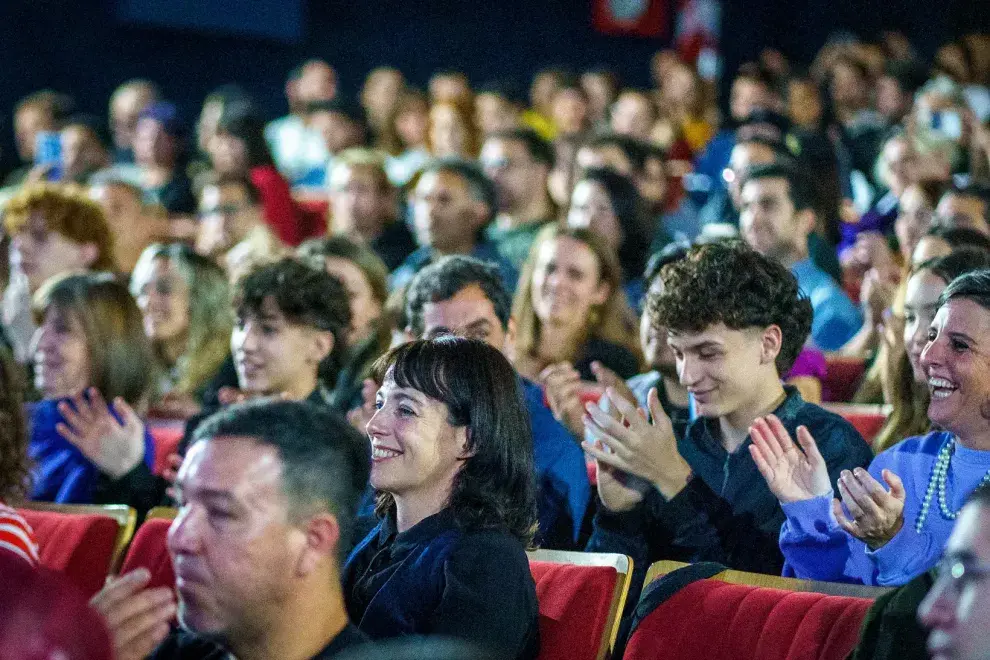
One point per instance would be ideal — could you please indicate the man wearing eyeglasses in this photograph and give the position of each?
(231, 229)
(957, 609)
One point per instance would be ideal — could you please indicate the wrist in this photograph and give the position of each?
(673, 479)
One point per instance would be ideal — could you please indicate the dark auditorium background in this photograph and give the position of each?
(87, 48)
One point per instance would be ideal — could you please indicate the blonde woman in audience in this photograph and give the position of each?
(570, 308)
(185, 301)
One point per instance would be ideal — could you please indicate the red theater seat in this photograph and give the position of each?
(868, 419)
(842, 378)
(80, 546)
(167, 439)
(148, 550)
(580, 596)
(721, 619)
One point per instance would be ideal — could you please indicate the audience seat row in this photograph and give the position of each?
(581, 595)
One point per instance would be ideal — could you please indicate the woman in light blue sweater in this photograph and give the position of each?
(888, 535)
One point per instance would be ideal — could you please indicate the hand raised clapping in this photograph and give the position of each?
(792, 474)
(635, 446)
(116, 447)
(875, 515)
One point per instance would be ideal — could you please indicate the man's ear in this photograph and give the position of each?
(772, 341)
(807, 221)
(322, 540)
(89, 252)
(321, 346)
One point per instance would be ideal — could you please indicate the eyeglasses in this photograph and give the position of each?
(960, 572)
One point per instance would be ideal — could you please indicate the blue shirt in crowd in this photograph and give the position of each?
(837, 319)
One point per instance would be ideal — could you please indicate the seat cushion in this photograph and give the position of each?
(714, 620)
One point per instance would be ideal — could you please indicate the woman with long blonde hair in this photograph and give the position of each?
(570, 308)
(185, 302)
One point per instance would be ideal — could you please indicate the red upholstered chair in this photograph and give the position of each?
(720, 618)
(83, 542)
(581, 596)
(843, 376)
(868, 419)
(148, 550)
(167, 438)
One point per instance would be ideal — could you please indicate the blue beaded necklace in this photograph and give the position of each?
(940, 474)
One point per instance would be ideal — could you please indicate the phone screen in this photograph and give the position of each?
(48, 152)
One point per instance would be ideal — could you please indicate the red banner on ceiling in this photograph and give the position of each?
(640, 18)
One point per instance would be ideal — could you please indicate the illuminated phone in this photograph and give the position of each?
(48, 152)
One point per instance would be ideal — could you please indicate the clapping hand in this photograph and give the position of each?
(562, 385)
(634, 445)
(138, 618)
(877, 514)
(116, 447)
(792, 474)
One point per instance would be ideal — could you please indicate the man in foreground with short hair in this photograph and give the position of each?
(957, 608)
(267, 497)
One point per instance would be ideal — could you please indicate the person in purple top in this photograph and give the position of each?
(889, 535)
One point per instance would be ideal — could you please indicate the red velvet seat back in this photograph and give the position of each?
(80, 546)
(843, 376)
(712, 620)
(574, 604)
(148, 550)
(167, 439)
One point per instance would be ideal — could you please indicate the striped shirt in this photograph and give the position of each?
(16, 535)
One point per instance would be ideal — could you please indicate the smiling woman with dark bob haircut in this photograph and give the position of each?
(452, 464)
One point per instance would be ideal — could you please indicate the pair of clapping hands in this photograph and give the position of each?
(634, 451)
(796, 472)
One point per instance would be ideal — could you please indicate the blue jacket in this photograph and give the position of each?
(61, 473)
(563, 490)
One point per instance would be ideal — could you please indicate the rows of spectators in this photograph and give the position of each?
(401, 329)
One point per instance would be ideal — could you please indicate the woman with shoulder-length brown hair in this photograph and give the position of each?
(16, 536)
(90, 348)
(570, 309)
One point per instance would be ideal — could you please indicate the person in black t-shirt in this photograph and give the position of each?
(267, 497)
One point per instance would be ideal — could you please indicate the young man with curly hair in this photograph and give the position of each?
(735, 321)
